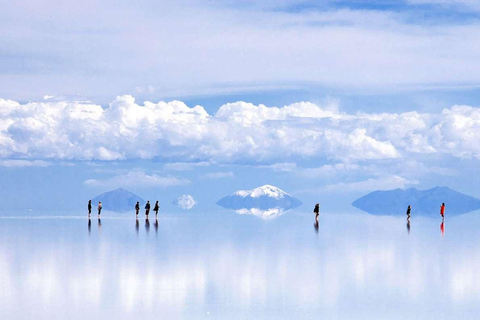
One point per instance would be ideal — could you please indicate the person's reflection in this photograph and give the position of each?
(147, 225)
(89, 226)
(137, 226)
(442, 228)
(156, 227)
(99, 225)
(408, 225)
(315, 225)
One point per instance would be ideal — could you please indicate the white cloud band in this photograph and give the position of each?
(238, 132)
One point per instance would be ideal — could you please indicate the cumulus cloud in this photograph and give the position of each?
(137, 179)
(237, 133)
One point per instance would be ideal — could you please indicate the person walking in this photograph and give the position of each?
(137, 209)
(316, 210)
(99, 208)
(89, 207)
(408, 212)
(147, 208)
(156, 208)
(442, 210)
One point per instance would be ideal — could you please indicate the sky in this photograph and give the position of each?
(327, 101)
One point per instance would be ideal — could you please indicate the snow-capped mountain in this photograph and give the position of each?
(262, 198)
(266, 190)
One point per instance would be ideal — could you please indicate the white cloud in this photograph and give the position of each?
(387, 182)
(347, 48)
(281, 166)
(137, 179)
(185, 166)
(13, 163)
(185, 201)
(218, 175)
(238, 133)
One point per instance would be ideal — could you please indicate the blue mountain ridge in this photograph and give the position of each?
(119, 200)
(423, 202)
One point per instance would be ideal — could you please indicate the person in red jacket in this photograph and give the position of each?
(442, 210)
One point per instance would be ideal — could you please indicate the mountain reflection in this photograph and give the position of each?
(266, 214)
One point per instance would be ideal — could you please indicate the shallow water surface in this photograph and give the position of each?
(228, 266)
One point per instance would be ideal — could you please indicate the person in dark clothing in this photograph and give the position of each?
(156, 208)
(137, 208)
(99, 208)
(147, 208)
(89, 207)
(316, 210)
(409, 209)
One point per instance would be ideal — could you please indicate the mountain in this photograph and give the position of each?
(423, 202)
(119, 200)
(264, 198)
(185, 201)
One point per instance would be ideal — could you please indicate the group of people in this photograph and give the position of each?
(137, 208)
(147, 209)
(316, 210)
(99, 208)
(442, 211)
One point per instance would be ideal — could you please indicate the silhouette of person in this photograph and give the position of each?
(99, 208)
(316, 210)
(408, 212)
(408, 225)
(442, 228)
(147, 208)
(147, 225)
(89, 207)
(137, 208)
(156, 208)
(442, 210)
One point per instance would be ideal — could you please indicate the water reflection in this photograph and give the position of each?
(442, 228)
(89, 226)
(408, 226)
(99, 225)
(265, 214)
(156, 226)
(315, 225)
(239, 270)
(137, 226)
(147, 225)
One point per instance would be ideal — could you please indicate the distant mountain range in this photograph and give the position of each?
(119, 200)
(423, 202)
(265, 201)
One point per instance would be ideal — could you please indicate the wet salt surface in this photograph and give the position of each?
(227, 266)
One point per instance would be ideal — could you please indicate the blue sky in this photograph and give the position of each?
(327, 101)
